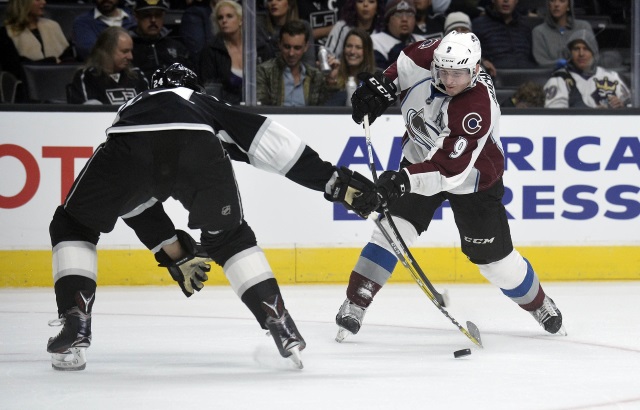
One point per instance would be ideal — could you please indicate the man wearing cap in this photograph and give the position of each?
(152, 46)
(87, 27)
(400, 21)
(457, 21)
(581, 83)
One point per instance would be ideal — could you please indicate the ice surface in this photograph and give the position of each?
(155, 349)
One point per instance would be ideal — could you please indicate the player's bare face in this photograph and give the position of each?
(581, 56)
(353, 51)
(293, 48)
(455, 81)
(37, 9)
(228, 20)
(402, 23)
(150, 22)
(366, 10)
(107, 7)
(123, 54)
(278, 8)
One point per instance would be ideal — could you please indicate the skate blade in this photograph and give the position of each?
(73, 359)
(295, 357)
(562, 331)
(342, 334)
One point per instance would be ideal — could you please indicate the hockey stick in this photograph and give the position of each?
(407, 260)
(405, 257)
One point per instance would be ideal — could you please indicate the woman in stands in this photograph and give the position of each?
(221, 61)
(108, 77)
(357, 57)
(367, 15)
(268, 29)
(550, 37)
(28, 37)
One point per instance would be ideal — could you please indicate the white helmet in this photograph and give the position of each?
(456, 51)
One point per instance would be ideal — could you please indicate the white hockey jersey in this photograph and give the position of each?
(451, 142)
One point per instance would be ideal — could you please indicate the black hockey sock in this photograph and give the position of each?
(256, 294)
(66, 288)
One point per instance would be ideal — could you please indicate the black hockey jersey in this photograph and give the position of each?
(248, 137)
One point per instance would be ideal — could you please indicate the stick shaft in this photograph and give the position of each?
(405, 257)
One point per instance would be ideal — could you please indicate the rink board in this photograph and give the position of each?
(333, 265)
(572, 195)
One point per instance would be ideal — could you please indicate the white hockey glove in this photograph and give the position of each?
(353, 190)
(190, 271)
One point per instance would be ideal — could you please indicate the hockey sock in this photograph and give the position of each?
(66, 288)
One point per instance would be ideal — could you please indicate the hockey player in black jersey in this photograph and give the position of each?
(175, 141)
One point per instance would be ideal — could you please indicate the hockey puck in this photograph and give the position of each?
(461, 353)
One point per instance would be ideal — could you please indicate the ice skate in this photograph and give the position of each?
(349, 319)
(283, 330)
(549, 317)
(68, 347)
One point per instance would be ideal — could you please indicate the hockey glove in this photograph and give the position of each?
(373, 97)
(392, 185)
(190, 271)
(353, 190)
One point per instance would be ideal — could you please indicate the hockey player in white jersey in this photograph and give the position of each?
(175, 141)
(451, 151)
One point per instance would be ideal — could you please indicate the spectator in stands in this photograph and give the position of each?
(280, 12)
(29, 37)
(428, 23)
(357, 58)
(550, 37)
(528, 95)
(153, 48)
(472, 8)
(321, 15)
(286, 80)
(400, 20)
(460, 22)
(367, 15)
(582, 83)
(221, 61)
(457, 21)
(108, 77)
(196, 28)
(505, 38)
(87, 27)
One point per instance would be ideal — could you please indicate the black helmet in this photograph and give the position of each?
(176, 75)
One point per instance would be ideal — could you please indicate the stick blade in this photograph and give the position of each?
(475, 332)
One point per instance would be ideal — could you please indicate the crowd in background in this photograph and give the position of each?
(309, 53)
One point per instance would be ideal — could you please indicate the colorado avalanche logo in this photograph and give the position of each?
(418, 129)
(471, 123)
(427, 43)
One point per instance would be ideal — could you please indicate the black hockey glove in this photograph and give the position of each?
(392, 185)
(353, 190)
(373, 97)
(191, 271)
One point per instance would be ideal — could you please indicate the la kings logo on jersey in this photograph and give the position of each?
(120, 95)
